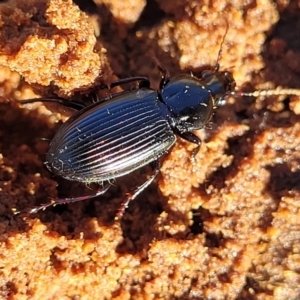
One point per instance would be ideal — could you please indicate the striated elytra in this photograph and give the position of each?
(117, 135)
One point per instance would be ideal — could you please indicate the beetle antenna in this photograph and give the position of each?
(220, 50)
(269, 93)
(165, 78)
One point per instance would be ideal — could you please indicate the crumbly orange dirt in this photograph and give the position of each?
(225, 227)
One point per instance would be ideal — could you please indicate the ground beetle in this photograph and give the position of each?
(121, 133)
(126, 131)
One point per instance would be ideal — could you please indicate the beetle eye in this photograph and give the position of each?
(206, 74)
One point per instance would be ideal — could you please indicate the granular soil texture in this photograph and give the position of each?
(224, 227)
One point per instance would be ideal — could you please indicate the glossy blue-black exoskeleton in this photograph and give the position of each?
(115, 136)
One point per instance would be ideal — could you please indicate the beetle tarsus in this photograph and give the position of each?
(99, 192)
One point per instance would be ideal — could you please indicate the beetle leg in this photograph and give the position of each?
(101, 191)
(165, 78)
(192, 138)
(144, 81)
(71, 104)
(138, 190)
